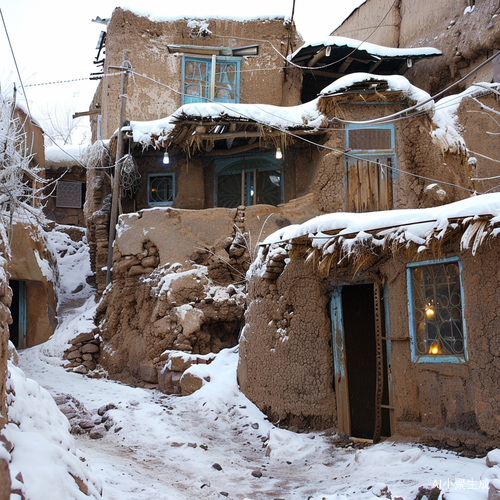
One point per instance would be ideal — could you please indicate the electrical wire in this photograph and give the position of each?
(314, 143)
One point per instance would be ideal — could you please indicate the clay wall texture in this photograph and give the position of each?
(41, 299)
(465, 39)
(146, 44)
(205, 255)
(286, 365)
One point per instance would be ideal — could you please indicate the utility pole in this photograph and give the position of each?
(115, 201)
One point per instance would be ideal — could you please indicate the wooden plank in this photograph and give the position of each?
(364, 183)
(339, 363)
(390, 193)
(373, 179)
(383, 188)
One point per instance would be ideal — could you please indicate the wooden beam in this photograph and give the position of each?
(346, 64)
(96, 111)
(317, 57)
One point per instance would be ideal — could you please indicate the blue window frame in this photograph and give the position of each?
(161, 189)
(210, 79)
(436, 311)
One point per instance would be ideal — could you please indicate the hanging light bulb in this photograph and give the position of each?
(166, 159)
(279, 154)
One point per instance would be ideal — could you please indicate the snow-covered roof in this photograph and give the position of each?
(394, 83)
(63, 156)
(419, 226)
(170, 11)
(371, 48)
(304, 116)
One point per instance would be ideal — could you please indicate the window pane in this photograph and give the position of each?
(161, 189)
(437, 310)
(69, 194)
(196, 80)
(229, 190)
(269, 187)
(367, 139)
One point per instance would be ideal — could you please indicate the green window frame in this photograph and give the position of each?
(200, 83)
(436, 311)
(249, 180)
(161, 189)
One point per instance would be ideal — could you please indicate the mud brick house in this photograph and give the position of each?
(66, 185)
(466, 32)
(379, 323)
(205, 183)
(184, 60)
(33, 305)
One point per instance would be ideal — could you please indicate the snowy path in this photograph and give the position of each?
(167, 445)
(154, 454)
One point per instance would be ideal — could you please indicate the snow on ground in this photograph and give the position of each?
(165, 447)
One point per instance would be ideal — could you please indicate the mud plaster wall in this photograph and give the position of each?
(146, 44)
(5, 319)
(188, 179)
(191, 249)
(285, 358)
(460, 397)
(287, 338)
(362, 22)
(41, 299)
(465, 40)
(415, 150)
(476, 125)
(64, 215)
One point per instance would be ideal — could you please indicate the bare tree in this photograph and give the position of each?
(59, 124)
(20, 182)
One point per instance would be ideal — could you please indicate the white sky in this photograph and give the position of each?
(55, 40)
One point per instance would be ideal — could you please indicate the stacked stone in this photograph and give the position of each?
(239, 220)
(83, 355)
(170, 378)
(141, 263)
(98, 246)
(275, 265)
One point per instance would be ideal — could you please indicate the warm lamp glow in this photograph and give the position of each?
(429, 312)
(434, 349)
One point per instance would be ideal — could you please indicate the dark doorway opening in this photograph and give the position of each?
(17, 329)
(360, 344)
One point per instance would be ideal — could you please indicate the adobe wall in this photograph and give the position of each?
(5, 319)
(146, 44)
(179, 280)
(415, 151)
(285, 364)
(465, 39)
(479, 135)
(375, 21)
(285, 358)
(63, 215)
(40, 294)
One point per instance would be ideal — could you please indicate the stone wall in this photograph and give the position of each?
(5, 319)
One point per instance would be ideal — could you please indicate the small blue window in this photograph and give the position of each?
(199, 86)
(161, 189)
(436, 311)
